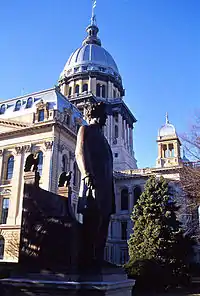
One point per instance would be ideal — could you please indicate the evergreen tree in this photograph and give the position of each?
(157, 234)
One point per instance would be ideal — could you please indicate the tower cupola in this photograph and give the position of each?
(168, 145)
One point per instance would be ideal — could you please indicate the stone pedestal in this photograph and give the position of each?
(32, 178)
(24, 287)
(65, 191)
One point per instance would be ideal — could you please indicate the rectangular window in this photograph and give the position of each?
(124, 230)
(41, 115)
(4, 211)
(123, 255)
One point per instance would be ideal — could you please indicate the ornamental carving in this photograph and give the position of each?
(5, 192)
(48, 145)
(42, 106)
(19, 149)
(27, 148)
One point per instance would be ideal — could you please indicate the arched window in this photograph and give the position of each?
(103, 91)
(116, 132)
(124, 199)
(85, 87)
(29, 103)
(64, 163)
(10, 167)
(70, 91)
(2, 109)
(98, 90)
(77, 89)
(40, 162)
(18, 105)
(2, 243)
(4, 210)
(136, 193)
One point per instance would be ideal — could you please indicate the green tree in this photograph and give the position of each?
(157, 234)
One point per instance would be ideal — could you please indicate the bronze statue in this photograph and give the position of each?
(31, 164)
(97, 198)
(64, 179)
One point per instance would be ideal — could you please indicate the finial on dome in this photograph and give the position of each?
(167, 118)
(92, 29)
(93, 18)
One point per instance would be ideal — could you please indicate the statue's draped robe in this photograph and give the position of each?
(94, 157)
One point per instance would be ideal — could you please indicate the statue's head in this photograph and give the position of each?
(97, 113)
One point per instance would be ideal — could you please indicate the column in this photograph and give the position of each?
(124, 127)
(131, 139)
(90, 85)
(94, 83)
(130, 142)
(1, 165)
(176, 154)
(73, 88)
(109, 129)
(16, 185)
(26, 153)
(120, 126)
(127, 139)
(80, 86)
(110, 87)
(47, 166)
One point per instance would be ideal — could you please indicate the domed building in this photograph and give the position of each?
(91, 75)
(169, 153)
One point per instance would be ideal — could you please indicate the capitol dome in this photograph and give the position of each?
(167, 129)
(91, 56)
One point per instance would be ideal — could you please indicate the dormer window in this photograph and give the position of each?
(2, 109)
(29, 103)
(41, 115)
(18, 105)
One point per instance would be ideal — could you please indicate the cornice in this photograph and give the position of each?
(13, 123)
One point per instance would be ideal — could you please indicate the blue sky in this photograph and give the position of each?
(155, 43)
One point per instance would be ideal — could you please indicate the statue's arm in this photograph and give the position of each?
(81, 153)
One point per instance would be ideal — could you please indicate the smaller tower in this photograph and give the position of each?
(168, 146)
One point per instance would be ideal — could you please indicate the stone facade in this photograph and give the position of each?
(52, 135)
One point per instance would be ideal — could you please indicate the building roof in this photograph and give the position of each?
(20, 106)
(91, 56)
(167, 129)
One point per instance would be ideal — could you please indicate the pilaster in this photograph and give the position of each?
(110, 87)
(1, 165)
(27, 149)
(16, 185)
(120, 126)
(47, 165)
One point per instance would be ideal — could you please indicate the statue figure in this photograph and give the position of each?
(64, 179)
(96, 198)
(31, 164)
